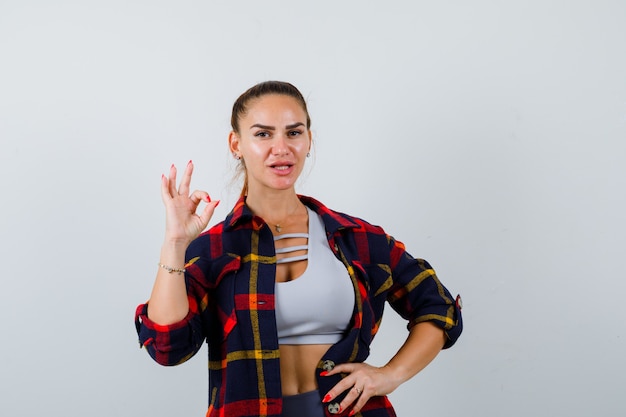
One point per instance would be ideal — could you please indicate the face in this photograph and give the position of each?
(273, 141)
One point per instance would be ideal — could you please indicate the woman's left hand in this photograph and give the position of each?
(362, 382)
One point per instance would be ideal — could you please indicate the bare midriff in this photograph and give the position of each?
(297, 367)
(297, 362)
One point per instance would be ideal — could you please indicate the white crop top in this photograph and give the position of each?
(315, 308)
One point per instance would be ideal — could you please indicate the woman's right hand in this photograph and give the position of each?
(182, 223)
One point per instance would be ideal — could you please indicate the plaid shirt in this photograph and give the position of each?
(230, 277)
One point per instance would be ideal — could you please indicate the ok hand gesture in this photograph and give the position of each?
(182, 224)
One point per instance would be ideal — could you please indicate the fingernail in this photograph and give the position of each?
(217, 203)
(208, 198)
(352, 413)
(323, 373)
(190, 162)
(327, 398)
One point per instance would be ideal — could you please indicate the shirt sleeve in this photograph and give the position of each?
(174, 343)
(418, 295)
(205, 266)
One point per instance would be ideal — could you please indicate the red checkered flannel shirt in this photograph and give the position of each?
(230, 277)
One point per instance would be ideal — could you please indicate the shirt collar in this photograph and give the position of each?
(333, 221)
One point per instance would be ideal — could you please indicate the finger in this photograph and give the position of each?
(172, 181)
(165, 192)
(207, 213)
(197, 196)
(342, 386)
(360, 403)
(346, 368)
(186, 180)
(354, 395)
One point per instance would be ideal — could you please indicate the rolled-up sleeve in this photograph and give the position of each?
(418, 295)
(175, 343)
(169, 344)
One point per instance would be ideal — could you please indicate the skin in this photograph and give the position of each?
(273, 142)
(273, 132)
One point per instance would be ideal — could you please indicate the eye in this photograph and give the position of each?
(262, 134)
(294, 133)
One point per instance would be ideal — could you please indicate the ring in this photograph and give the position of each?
(358, 391)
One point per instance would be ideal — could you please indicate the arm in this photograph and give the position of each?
(165, 325)
(434, 323)
(168, 301)
(424, 342)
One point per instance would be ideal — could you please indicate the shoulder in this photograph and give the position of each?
(341, 221)
(360, 240)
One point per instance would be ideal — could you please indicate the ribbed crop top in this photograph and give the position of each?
(315, 308)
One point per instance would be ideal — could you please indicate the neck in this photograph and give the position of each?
(274, 207)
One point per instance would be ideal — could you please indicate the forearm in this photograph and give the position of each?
(168, 302)
(424, 342)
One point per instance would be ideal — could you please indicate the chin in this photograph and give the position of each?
(282, 185)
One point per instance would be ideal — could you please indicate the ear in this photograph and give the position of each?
(233, 142)
(310, 140)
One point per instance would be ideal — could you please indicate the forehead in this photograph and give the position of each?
(275, 106)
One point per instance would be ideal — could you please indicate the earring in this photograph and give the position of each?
(308, 154)
(237, 157)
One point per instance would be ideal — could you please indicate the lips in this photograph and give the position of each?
(282, 164)
(282, 167)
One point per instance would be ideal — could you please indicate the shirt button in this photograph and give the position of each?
(333, 408)
(328, 365)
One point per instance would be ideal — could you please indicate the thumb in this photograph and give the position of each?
(207, 213)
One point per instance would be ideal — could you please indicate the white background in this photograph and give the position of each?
(488, 136)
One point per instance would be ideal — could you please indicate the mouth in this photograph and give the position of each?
(281, 167)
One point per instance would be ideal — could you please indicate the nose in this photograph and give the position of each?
(280, 146)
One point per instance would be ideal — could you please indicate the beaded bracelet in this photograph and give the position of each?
(170, 269)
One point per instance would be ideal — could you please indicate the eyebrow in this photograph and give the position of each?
(291, 126)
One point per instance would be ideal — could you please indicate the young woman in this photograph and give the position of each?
(287, 293)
